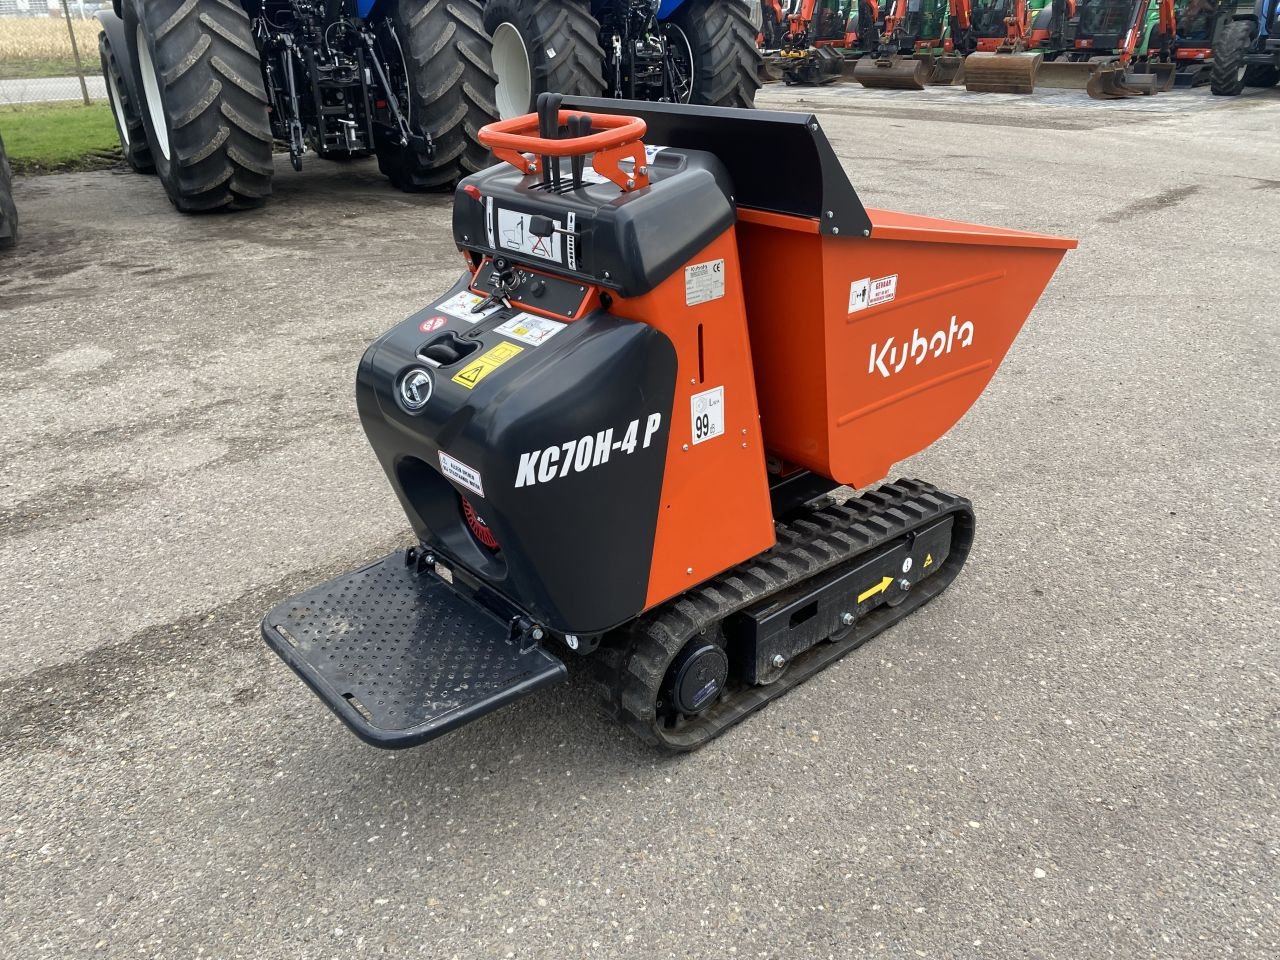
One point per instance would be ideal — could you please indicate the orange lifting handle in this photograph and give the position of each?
(612, 138)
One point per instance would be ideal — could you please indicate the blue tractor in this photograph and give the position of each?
(201, 90)
(673, 51)
(1246, 46)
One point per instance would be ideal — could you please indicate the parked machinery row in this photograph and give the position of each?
(1113, 48)
(202, 90)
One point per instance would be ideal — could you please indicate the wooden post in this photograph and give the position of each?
(75, 52)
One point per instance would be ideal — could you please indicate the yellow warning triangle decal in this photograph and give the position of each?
(928, 559)
(473, 374)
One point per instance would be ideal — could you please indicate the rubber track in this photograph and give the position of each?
(630, 670)
(213, 95)
(452, 85)
(726, 60)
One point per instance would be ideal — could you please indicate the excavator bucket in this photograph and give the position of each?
(1065, 74)
(1112, 81)
(892, 73)
(769, 69)
(814, 67)
(1166, 74)
(945, 70)
(1002, 72)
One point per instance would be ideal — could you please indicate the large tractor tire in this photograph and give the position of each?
(1233, 40)
(126, 113)
(450, 93)
(8, 210)
(1261, 75)
(725, 56)
(205, 107)
(541, 46)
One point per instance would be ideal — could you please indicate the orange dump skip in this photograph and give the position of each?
(871, 348)
(871, 332)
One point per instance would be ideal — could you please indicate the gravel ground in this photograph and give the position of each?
(1073, 753)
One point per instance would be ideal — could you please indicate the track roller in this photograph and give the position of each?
(1002, 72)
(892, 73)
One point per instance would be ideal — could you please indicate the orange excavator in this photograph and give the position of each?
(1050, 26)
(1102, 55)
(809, 35)
(996, 37)
(893, 65)
(1163, 54)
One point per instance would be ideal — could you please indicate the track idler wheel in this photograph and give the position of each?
(695, 679)
(892, 73)
(1001, 72)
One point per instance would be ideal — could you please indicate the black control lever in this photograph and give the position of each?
(579, 126)
(549, 129)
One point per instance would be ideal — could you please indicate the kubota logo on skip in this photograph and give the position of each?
(890, 357)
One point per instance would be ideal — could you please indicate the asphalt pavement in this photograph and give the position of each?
(1070, 754)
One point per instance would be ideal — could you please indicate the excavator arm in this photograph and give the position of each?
(1017, 27)
(799, 22)
(1136, 24)
(893, 19)
(1167, 29)
(889, 69)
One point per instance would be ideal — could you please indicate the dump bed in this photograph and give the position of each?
(872, 332)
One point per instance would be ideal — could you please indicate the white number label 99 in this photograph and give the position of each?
(707, 409)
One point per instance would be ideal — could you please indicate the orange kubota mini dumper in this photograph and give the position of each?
(615, 435)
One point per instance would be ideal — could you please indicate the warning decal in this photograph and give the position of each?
(883, 290)
(476, 370)
(529, 329)
(514, 234)
(459, 472)
(460, 305)
(703, 282)
(871, 293)
(859, 294)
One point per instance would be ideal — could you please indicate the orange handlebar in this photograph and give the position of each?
(610, 130)
(613, 138)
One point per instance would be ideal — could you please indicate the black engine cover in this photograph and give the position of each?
(558, 443)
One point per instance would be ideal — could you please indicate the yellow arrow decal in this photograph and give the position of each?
(880, 587)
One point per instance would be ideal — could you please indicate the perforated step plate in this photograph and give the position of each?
(401, 656)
